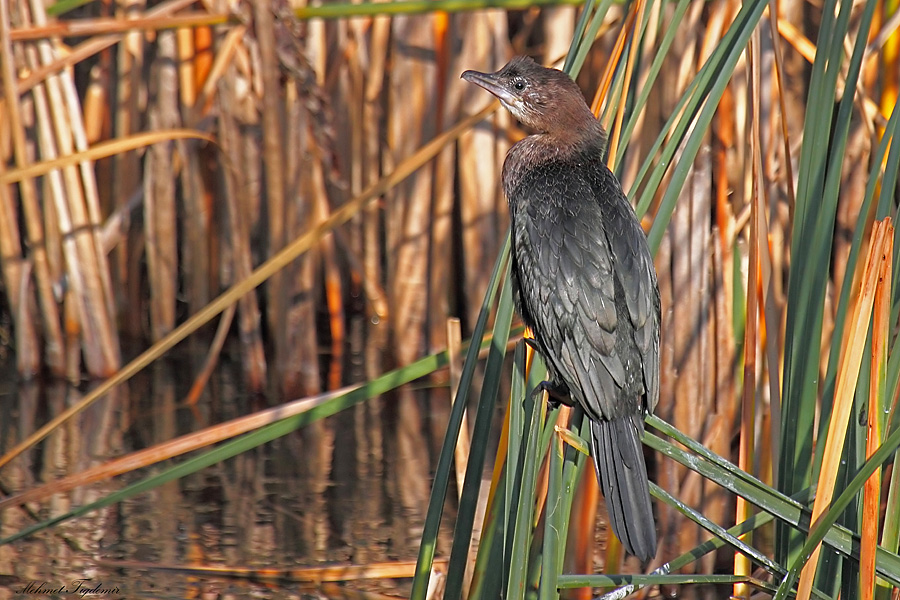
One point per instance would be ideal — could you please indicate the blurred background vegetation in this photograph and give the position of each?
(320, 177)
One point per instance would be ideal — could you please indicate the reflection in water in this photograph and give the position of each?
(350, 489)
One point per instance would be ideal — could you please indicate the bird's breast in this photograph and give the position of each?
(538, 154)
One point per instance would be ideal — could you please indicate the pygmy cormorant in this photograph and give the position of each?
(583, 281)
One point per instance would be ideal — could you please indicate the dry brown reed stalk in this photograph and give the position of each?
(372, 90)
(302, 373)
(421, 92)
(615, 57)
(94, 109)
(188, 83)
(239, 210)
(115, 25)
(101, 150)
(271, 106)
(412, 96)
(334, 296)
(197, 197)
(160, 233)
(78, 203)
(334, 300)
(50, 318)
(16, 274)
(201, 232)
(125, 116)
(558, 25)
(440, 271)
(329, 573)
(203, 57)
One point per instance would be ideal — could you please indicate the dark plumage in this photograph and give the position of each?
(584, 281)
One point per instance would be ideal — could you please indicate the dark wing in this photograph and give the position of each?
(636, 273)
(568, 254)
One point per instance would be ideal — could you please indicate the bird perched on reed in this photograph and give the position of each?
(584, 281)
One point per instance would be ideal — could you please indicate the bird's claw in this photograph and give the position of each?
(531, 344)
(557, 394)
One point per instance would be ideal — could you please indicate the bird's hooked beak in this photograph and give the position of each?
(491, 82)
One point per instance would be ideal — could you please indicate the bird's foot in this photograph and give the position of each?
(557, 394)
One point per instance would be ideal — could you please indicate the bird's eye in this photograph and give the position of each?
(519, 85)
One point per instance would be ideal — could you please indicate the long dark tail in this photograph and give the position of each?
(619, 462)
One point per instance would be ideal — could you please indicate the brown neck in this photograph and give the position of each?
(571, 124)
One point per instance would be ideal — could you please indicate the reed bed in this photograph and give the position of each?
(155, 156)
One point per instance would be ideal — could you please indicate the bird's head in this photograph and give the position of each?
(544, 99)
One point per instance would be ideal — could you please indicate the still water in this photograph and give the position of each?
(349, 490)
